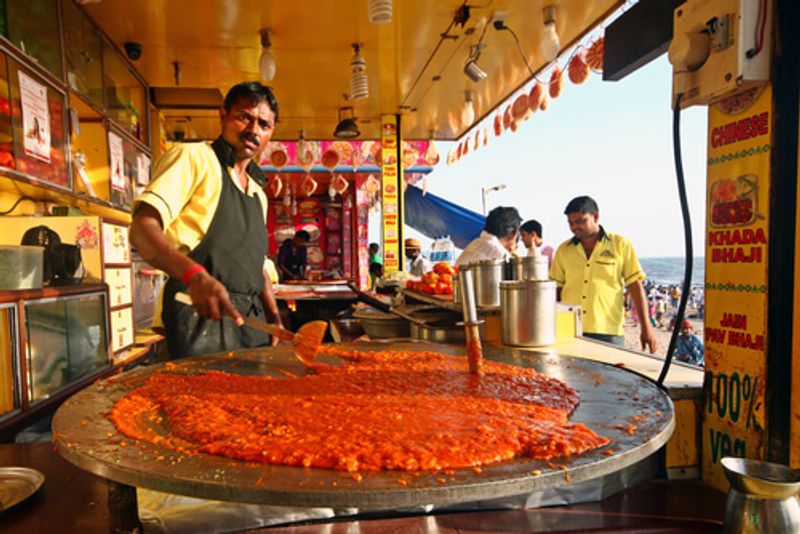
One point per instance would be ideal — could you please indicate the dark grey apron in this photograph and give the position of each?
(232, 251)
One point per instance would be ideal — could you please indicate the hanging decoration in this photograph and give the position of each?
(543, 105)
(431, 155)
(556, 82)
(535, 97)
(278, 156)
(340, 184)
(498, 125)
(519, 109)
(275, 186)
(594, 56)
(287, 196)
(578, 70)
(584, 60)
(330, 159)
(308, 186)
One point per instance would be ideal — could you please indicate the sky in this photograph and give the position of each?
(609, 140)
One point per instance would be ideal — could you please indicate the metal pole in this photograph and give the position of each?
(483, 200)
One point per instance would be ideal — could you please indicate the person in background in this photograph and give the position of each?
(270, 271)
(202, 220)
(591, 270)
(374, 257)
(293, 257)
(374, 253)
(531, 232)
(689, 347)
(416, 265)
(375, 273)
(497, 241)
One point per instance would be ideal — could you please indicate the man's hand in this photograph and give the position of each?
(648, 339)
(211, 299)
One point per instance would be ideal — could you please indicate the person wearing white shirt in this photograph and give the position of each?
(497, 241)
(531, 232)
(417, 265)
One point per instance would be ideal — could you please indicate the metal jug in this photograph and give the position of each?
(487, 275)
(762, 498)
(528, 312)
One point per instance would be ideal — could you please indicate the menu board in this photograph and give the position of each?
(737, 238)
(390, 196)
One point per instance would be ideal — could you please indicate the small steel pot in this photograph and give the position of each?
(442, 331)
(529, 268)
(487, 275)
(528, 312)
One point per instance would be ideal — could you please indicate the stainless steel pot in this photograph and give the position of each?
(487, 275)
(528, 312)
(762, 497)
(529, 268)
(456, 289)
(440, 331)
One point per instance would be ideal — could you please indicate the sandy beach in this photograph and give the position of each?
(662, 334)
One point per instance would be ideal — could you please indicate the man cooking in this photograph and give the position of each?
(416, 264)
(202, 221)
(593, 268)
(497, 241)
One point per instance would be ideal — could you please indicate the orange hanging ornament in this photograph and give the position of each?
(556, 82)
(594, 56)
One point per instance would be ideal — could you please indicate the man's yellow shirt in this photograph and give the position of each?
(596, 283)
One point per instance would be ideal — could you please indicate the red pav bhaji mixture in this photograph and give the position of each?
(390, 410)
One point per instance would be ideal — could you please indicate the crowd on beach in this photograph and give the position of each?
(662, 302)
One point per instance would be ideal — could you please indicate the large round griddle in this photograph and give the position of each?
(612, 399)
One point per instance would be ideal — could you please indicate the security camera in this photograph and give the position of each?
(133, 50)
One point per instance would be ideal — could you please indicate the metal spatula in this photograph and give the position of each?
(306, 341)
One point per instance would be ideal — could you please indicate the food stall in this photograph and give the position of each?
(437, 80)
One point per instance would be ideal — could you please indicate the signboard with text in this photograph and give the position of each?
(390, 195)
(737, 239)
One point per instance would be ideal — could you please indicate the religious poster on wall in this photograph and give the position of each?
(737, 239)
(35, 118)
(117, 161)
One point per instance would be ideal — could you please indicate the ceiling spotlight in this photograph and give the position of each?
(359, 84)
(550, 44)
(266, 64)
(468, 111)
(471, 69)
(347, 128)
(380, 11)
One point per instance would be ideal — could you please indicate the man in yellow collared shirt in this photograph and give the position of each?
(593, 268)
(202, 220)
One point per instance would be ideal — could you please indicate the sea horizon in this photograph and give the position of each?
(669, 270)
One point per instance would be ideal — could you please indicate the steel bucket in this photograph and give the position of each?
(529, 268)
(528, 312)
(487, 275)
(762, 498)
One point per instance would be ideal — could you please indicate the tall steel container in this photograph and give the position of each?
(528, 312)
(529, 268)
(487, 275)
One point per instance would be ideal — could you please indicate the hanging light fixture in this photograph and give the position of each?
(550, 43)
(359, 84)
(468, 111)
(471, 69)
(380, 11)
(266, 64)
(347, 128)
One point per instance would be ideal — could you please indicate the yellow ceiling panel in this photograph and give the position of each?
(412, 69)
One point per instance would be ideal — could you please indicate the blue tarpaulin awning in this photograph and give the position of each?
(435, 217)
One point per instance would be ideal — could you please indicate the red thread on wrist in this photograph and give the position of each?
(193, 270)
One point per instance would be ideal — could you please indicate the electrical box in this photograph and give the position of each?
(719, 47)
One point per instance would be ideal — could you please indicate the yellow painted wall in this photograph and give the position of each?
(682, 447)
